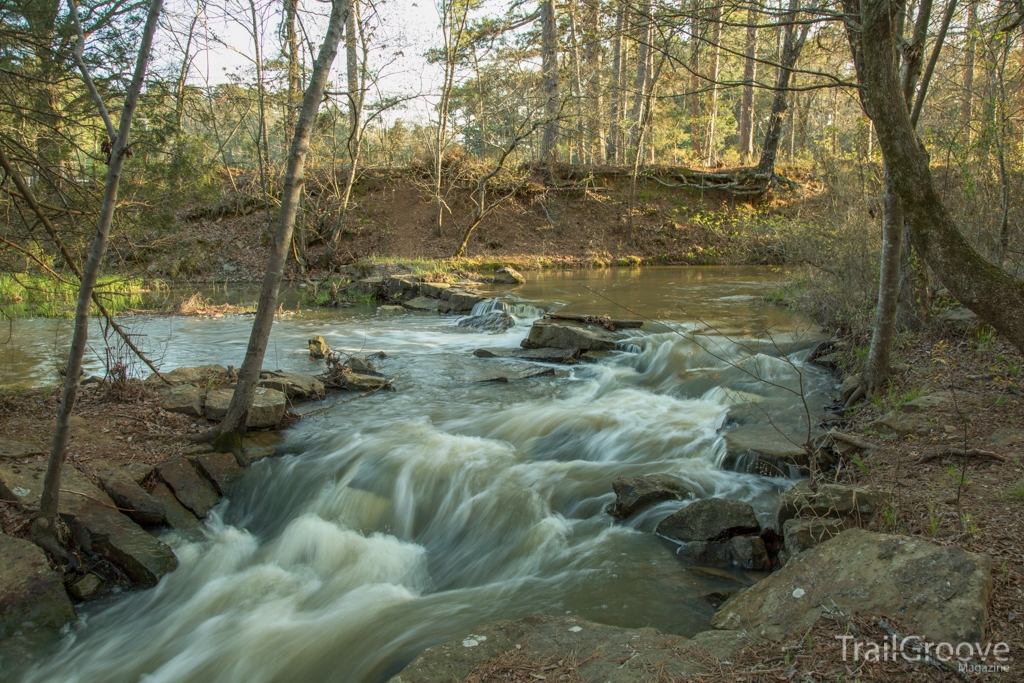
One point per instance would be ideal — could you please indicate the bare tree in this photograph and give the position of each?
(746, 132)
(229, 434)
(549, 79)
(44, 526)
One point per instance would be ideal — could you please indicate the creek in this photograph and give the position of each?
(402, 520)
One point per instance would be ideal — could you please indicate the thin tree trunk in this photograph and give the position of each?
(884, 331)
(994, 295)
(716, 61)
(640, 82)
(229, 437)
(618, 76)
(746, 141)
(594, 55)
(967, 102)
(1003, 245)
(44, 526)
(356, 99)
(577, 86)
(696, 136)
(549, 79)
(793, 43)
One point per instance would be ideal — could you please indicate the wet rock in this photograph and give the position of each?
(566, 335)
(508, 276)
(184, 398)
(760, 448)
(85, 588)
(461, 300)
(940, 591)
(836, 501)
(188, 486)
(959, 319)
(493, 323)
(31, 594)
(804, 534)
(633, 494)
(402, 286)
(564, 356)
(219, 469)
(425, 303)
(128, 495)
(293, 385)
(318, 348)
(389, 308)
(267, 410)
(709, 519)
(178, 516)
(607, 654)
(741, 552)
(361, 366)
(371, 286)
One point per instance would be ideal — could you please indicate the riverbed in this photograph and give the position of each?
(404, 519)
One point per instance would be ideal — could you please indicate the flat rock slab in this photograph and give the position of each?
(184, 399)
(31, 594)
(295, 386)
(426, 303)
(220, 469)
(128, 495)
(188, 486)
(563, 356)
(709, 519)
(941, 591)
(179, 517)
(267, 410)
(568, 335)
(633, 494)
(23, 484)
(759, 448)
(532, 647)
(198, 375)
(143, 557)
(19, 450)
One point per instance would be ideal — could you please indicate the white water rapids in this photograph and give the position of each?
(405, 519)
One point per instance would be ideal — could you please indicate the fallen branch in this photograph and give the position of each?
(386, 385)
(852, 440)
(950, 452)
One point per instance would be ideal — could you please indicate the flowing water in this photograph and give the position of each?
(402, 520)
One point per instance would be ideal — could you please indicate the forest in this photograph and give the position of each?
(798, 224)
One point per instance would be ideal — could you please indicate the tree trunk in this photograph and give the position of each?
(884, 331)
(995, 296)
(549, 78)
(45, 524)
(746, 141)
(967, 101)
(642, 76)
(793, 43)
(696, 136)
(618, 75)
(356, 99)
(594, 55)
(716, 61)
(230, 432)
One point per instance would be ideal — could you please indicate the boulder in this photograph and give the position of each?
(425, 303)
(538, 647)
(293, 385)
(742, 552)
(390, 308)
(188, 486)
(219, 469)
(402, 286)
(31, 593)
(371, 286)
(835, 501)
(128, 495)
(760, 448)
(566, 335)
(804, 534)
(849, 386)
(18, 450)
(434, 289)
(633, 494)
(564, 356)
(941, 592)
(461, 300)
(185, 399)
(959, 319)
(318, 348)
(267, 410)
(508, 276)
(905, 424)
(354, 381)
(179, 517)
(927, 403)
(493, 322)
(361, 366)
(200, 375)
(709, 519)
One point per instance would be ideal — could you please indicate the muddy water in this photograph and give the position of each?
(402, 520)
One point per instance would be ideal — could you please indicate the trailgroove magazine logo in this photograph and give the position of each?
(968, 657)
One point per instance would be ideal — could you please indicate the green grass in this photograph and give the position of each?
(35, 296)
(335, 291)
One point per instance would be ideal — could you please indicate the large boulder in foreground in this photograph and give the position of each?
(941, 591)
(185, 399)
(633, 494)
(709, 519)
(538, 647)
(30, 592)
(267, 410)
(569, 335)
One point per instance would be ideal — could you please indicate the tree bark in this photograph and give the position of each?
(995, 296)
(716, 62)
(884, 331)
(793, 43)
(696, 136)
(746, 141)
(642, 76)
(594, 55)
(230, 432)
(967, 102)
(618, 76)
(549, 79)
(45, 524)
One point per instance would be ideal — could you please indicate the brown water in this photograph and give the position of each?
(403, 520)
